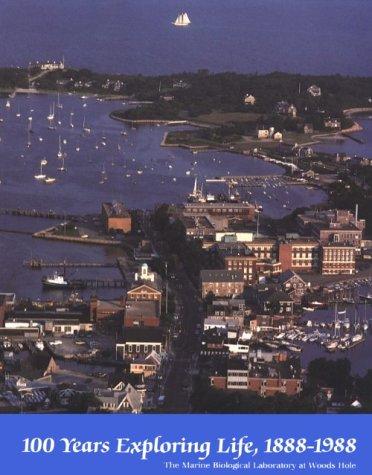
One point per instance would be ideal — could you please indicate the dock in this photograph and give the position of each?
(34, 213)
(259, 180)
(351, 137)
(91, 284)
(40, 264)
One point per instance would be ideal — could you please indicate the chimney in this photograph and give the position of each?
(356, 214)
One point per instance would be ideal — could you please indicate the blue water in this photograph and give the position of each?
(131, 36)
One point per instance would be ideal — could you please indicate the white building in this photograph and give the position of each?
(263, 134)
(249, 100)
(144, 274)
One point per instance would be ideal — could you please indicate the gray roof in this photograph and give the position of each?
(221, 275)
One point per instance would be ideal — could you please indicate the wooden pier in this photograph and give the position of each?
(260, 180)
(33, 213)
(78, 284)
(40, 264)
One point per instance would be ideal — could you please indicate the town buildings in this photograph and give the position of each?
(222, 283)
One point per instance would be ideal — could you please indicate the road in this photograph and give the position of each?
(178, 384)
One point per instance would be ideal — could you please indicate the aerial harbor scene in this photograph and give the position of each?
(185, 207)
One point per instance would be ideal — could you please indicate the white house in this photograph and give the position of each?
(249, 100)
(263, 134)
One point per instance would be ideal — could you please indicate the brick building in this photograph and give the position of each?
(338, 259)
(116, 217)
(299, 255)
(141, 314)
(222, 283)
(238, 257)
(145, 292)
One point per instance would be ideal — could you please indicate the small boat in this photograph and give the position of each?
(41, 175)
(60, 153)
(59, 104)
(103, 176)
(58, 281)
(49, 180)
(62, 168)
(7, 105)
(86, 129)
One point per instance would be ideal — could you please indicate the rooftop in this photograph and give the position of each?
(115, 209)
(221, 275)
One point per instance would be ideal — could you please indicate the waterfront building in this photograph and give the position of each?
(225, 209)
(293, 285)
(274, 302)
(116, 217)
(52, 65)
(333, 124)
(299, 255)
(144, 292)
(314, 90)
(140, 342)
(338, 259)
(143, 313)
(222, 283)
(101, 309)
(265, 379)
(249, 100)
(263, 134)
(338, 226)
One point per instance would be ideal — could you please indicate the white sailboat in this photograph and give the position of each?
(51, 116)
(60, 152)
(182, 20)
(62, 168)
(41, 175)
(103, 179)
(59, 104)
(86, 129)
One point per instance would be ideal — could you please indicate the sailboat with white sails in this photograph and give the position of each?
(182, 20)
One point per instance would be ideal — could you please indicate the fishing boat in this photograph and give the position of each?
(41, 175)
(49, 180)
(58, 281)
(182, 20)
